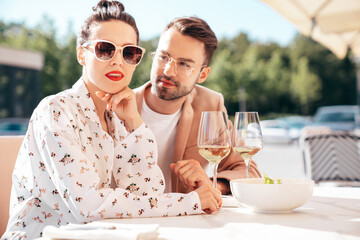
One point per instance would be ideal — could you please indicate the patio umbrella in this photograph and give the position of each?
(333, 23)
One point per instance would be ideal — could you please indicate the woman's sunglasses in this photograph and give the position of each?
(105, 51)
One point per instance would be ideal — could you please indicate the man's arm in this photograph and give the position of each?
(231, 167)
(192, 175)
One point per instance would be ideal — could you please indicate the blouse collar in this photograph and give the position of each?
(85, 104)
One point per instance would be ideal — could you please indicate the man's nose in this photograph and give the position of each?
(170, 68)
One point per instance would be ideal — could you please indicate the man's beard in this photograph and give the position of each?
(171, 94)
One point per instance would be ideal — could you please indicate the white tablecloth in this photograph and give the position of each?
(331, 213)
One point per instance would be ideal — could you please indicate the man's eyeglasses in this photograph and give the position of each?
(105, 51)
(182, 68)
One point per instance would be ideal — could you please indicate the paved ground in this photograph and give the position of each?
(281, 160)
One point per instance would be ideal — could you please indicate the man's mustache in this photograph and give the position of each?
(159, 78)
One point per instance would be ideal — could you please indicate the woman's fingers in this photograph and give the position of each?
(100, 94)
(116, 99)
(113, 100)
(215, 204)
(216, 199)
(103, 96)
(210, 198)
(207, 211)
(218, 196)
(123, 104)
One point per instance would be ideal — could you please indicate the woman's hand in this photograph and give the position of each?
(210, 198)
(124, 105)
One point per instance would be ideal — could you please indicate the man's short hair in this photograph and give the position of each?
(198, 29)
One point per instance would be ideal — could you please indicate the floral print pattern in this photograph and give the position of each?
(66, 162)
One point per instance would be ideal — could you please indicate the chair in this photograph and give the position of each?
(332, 157)
(9, 149)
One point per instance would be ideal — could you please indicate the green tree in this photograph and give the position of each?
(43, 39)
(250, 75)
(70, 70)
(338, 77)
(277, 85)
(270, 74)
(237, 47)
(306, 86)
(222, 76)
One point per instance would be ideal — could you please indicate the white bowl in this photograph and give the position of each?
(272, 198)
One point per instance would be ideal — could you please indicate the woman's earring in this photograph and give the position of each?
(82, 60)
(80, 56)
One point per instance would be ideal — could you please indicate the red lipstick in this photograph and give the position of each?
(115, 75)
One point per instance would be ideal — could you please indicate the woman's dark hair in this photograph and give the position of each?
(106, 10)
(198, 29)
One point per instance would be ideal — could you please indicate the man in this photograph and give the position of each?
(172, 102)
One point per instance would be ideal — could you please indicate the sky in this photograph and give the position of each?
(227, 18)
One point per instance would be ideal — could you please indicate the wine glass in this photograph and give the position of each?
(247, 136)
(214, 141)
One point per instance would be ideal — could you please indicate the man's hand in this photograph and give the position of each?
(190, 173)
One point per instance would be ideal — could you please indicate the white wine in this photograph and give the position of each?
(246, 152)
(214, 154)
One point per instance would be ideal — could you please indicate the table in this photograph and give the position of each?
(331, 213)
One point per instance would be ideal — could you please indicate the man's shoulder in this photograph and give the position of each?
(141, 88)
(205, 98)
(201, 91)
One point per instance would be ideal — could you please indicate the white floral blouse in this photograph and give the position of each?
(65, 166)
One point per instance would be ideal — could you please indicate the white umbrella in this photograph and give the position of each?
(333, 23)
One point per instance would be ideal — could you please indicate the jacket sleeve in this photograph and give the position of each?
(78, 183)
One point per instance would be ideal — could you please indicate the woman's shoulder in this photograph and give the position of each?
(64, 97)
(55, 107)
(58, 99)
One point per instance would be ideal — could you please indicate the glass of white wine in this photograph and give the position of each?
(214, 141)
(247, 137)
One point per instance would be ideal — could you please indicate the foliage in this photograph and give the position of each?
(306, 85)
(268, 78)
(337, 77)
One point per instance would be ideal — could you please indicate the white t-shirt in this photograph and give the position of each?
(164, 127)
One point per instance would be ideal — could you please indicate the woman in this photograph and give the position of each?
(87, 154)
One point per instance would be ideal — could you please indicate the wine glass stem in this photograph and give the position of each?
(247, 163)
(215, 167)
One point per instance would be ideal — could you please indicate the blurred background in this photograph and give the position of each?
(262, 64)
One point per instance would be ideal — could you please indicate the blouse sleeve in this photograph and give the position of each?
(78, 182)
(135, 164)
